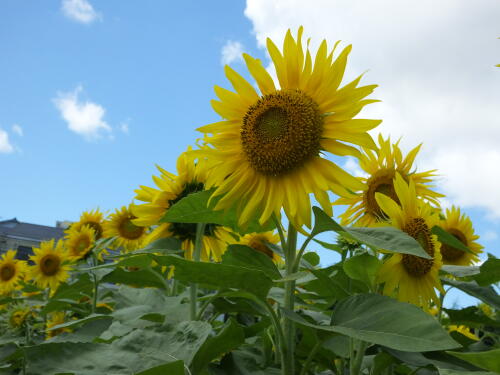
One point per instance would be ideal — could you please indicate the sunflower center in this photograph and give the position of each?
(380, 182)
(416, 266)
(49, 264)
(130, 231)
(258, 245)
(187, 231)
(281, 132)
(96, 227)
(7, 272)
(451, 253)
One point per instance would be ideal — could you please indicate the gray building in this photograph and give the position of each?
(22, 237)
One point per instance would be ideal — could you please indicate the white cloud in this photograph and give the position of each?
(231, 52)
(5, 146)
(83, 117)
(434, 62)
(124, 127)
(489, 236)
(80, 11)
(16, 128)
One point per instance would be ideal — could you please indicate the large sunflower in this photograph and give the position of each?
(80, 241)
(412, 278)
(51, 265)
(268, 152)
(191, 178)
(381, 167)
(260, 241)
(93, 219)
(11, 271)
(128, 235)
(459, 225)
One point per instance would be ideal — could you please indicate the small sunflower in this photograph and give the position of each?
(11, 271)
(128, 235)
(414, 278)
(269, 150)
(53, 320)
(80, 241)
(259, 242)
(381, 167)
(93, 219)
(18, 316)
(459, 225)
(191, 178)
(51, 265)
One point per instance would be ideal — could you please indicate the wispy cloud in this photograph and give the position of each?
(231, 52)
(489, 236)
(5, 145)
(85, 118)
(16, 128)
(124, 127)
(80, 10)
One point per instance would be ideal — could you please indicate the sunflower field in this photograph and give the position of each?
(213, 270)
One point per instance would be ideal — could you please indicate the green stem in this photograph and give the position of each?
(96, 286)
(358, 348)
(200, 229)
(280, 337)
(441, 301)
(288, 325)
(279, 228)
(296, 264)
(310, 357)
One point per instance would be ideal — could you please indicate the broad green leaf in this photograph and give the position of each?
(140, 278)
(385, 321)
(470, 316)
(137, 351)
(485, 293)
(489, 360)
(165, 246)
(229, 338)
(244, 256)
(489, 272)
(312, 257)
(217, 275)
(444, 371)
(449, 239)
(194, 209)
(382, 238)
(330, 246)
(88, 332)
(460, 271)
(172, 368)
(87, 319)
(362, 267)
(82, 287)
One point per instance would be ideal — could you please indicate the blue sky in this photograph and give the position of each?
(92, 98)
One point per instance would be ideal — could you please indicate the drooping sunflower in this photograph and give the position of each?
(55, 319)
(412, 278)
(51, 265)
(381, 166)
(269, 150)
(18, 316)
(93, 219)
(460, 226)
(464, 330)
(191, 178)
(79, 242)
(12, 271)
(128, 235)
(259, 242)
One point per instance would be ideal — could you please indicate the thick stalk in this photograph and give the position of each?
(200, 229)
(358, 348)
(288, 326)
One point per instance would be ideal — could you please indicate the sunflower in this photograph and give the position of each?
(459, 225)
(269, 150)
(93, 219)
(128, 235)
(381, 167)
(11, 271)
(79, 242)
(18, 317)
(413, 277)
(55, 319)
(466, 331)
(51, 265)
(191, 178)
(260, 241)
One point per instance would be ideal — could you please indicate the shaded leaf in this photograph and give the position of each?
(489, 360)
(244, 256)
(449, 239)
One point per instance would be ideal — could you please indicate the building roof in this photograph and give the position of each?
(13, 228)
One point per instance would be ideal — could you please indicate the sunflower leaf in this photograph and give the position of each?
(383, 238)
(385, 321)
(487, 360)
(449, 239)
(485, 293)
(489, 272)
